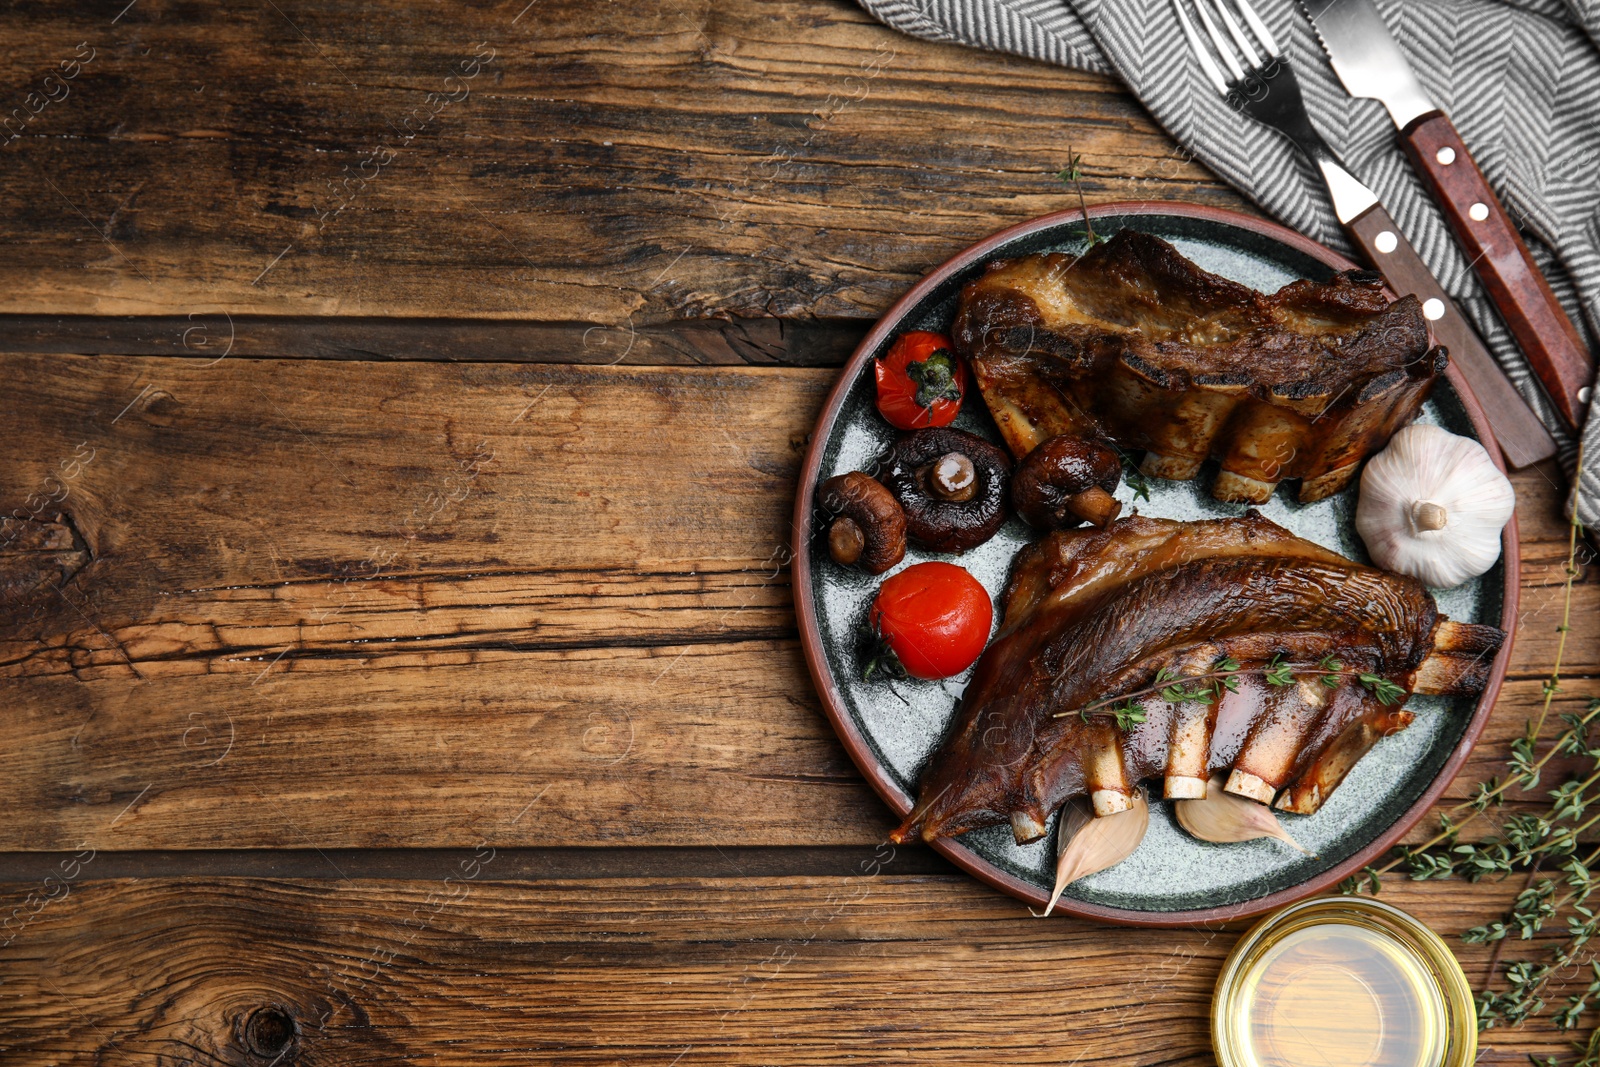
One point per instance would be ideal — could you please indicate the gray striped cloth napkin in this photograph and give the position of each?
(1520, 79)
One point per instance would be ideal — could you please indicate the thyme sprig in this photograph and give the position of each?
(1072, 174)
(1134, 477)
(1562, 880)
(1207, 686)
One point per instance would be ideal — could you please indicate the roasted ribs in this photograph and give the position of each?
(1097, 618)
(1134, 344)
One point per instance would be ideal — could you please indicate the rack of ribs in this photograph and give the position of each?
(1303, 383)
(1096, 616)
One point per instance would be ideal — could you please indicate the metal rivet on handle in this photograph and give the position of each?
(1584, 394)
(1386, 241)
(1433, 308)
(1479, 212)
(1446, 155)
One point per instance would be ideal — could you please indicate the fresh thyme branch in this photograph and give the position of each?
(1072, 174)
(1224, 677)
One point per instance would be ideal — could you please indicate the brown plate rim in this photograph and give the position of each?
(861, 753)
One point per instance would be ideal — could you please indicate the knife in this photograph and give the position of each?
(1369, 63)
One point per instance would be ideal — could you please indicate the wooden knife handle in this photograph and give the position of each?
(1521, 435)
(1554, 348)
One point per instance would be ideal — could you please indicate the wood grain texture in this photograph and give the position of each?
(353, 605)
(209, 336)
(875, 968)
(616, 165)
(346, 612)
(585, 863)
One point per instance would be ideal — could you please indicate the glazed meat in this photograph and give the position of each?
(1098, 617)
(1304, 383)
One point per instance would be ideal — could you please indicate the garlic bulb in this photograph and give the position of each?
(1432, 506)
(1222, 817)
(1086, 845)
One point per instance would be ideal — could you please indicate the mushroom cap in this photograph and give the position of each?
(873, 509)
(948, 525)
(1057, 470)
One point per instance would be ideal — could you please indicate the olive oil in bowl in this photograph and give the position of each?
(1342, 982)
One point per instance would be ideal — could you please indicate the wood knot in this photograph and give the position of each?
(38, 556)
(271, 1033)
(160, 408)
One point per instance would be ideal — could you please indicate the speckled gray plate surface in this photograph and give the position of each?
(892, 729)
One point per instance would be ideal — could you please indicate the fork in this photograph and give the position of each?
(1264, 88)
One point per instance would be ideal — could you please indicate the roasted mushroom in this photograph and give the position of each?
(868, 525)
(1067, 480)
(952, 485)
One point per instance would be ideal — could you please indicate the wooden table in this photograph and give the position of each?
(404, 403)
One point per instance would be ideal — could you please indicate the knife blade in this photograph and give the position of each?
(1367, 59)
(1369, 63)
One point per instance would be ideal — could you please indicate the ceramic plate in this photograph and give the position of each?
(892, 730)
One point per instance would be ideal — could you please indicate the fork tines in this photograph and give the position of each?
(1253, 66)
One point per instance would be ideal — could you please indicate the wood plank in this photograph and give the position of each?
(808, 342)
(511, 864)
(565, 163)
(266, 552)
(352, 491)
(703, 744)
(877, 968)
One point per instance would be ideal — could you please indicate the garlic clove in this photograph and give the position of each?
(1433, 506)
(1086, 845)
(1225, 818)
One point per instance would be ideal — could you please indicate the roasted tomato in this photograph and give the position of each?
(929, 621)
(921, 381)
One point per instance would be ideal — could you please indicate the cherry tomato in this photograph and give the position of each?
(934, 617)
(920, 381)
